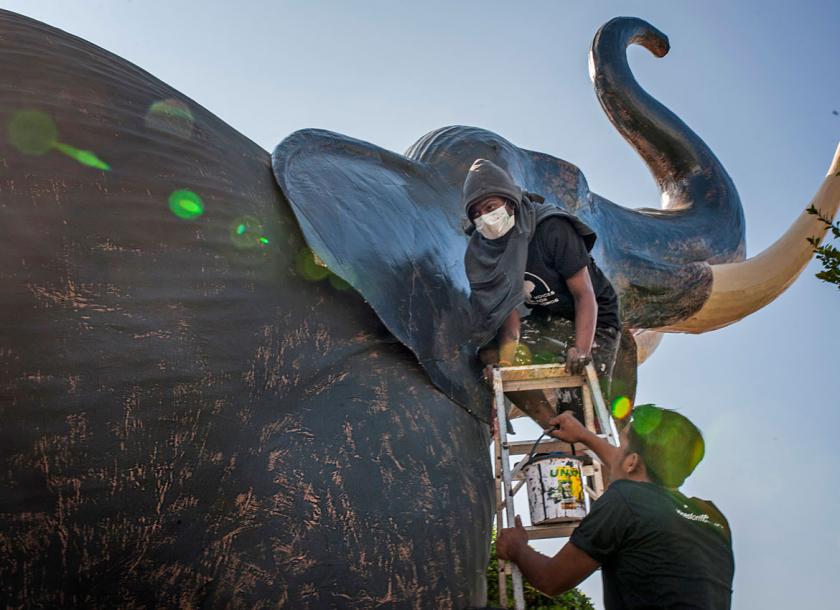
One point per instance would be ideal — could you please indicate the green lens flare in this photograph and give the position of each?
(171, 116)
(85, 157)
(338, 283)
(246, 232)
(32, 132)
(186, 204)
(621, 407)
(308, 268)
(545, 358)
(698, 450)
(646, 419)
(522, 356)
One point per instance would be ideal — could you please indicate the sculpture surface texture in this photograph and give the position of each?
(199, 411)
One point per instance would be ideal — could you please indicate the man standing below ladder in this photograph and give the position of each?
(656, 547)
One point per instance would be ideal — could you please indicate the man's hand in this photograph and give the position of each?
(507, 353)
(576, 361)
(568, 428)
(512, 541)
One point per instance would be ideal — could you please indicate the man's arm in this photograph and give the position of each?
(558, 574)
(507, 341)
(586, 316)
(509, 338)
(567, 428)
(551, 575)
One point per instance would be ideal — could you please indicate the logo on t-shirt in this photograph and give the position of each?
(537, 292)
(699, 518)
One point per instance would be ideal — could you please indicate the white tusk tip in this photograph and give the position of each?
(834, 168)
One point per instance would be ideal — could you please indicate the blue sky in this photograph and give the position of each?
(757, 81)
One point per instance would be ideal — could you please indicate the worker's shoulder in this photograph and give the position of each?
(641, 497)
(707, 512)
(644, 491)
(556, 221)
(663, 505)
(556, 227)
(626, 486)
(621, 495)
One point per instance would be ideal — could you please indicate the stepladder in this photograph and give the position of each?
(510, 479)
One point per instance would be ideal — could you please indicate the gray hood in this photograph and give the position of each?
(485, 179)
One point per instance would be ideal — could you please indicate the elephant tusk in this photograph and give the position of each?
(646, 343)
(739, 289)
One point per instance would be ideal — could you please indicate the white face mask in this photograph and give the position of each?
(495, 224)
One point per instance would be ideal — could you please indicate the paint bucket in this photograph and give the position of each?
(555, 488)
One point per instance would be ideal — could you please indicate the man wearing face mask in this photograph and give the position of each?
(524, 252)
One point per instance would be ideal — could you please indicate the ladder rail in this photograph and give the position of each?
(500, 504)
(500, 564)
(498, 391)
(606, 422)
(541, 377)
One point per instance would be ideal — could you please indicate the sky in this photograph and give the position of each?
(757, 81)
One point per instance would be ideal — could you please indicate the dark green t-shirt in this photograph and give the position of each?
(658, 549)
(556, 252)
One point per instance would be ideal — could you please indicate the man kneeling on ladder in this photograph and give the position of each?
(656, 547)
(531, 258)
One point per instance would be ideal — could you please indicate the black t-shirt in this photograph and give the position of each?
(556, 253)
(658, 549)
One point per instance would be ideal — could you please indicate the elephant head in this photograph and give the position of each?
(677, 268)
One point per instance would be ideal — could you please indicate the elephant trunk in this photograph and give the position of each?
(688, 174)
(700, 220)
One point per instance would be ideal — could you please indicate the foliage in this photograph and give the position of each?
(534, 599)
(827, 254)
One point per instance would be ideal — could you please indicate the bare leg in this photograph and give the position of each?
(534, 404)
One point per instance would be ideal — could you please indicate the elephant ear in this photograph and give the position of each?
(391, 227)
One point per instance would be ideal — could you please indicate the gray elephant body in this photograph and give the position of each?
(190, 420)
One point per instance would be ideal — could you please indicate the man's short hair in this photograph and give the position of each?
(670, 445)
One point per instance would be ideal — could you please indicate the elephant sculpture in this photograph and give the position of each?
(229, 379)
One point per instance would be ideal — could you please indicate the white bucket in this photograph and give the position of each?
(555, 488)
